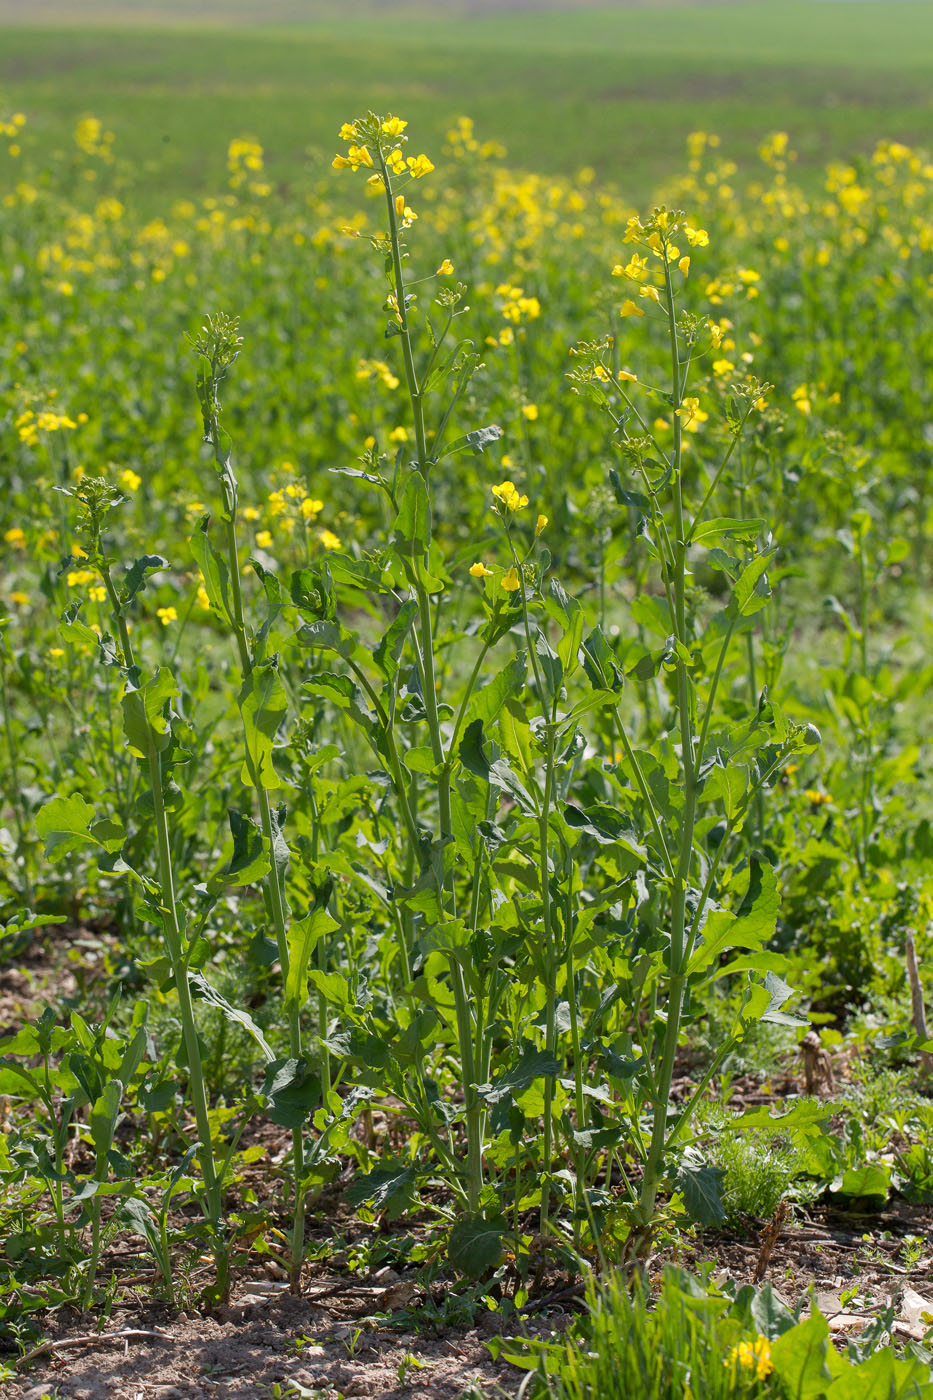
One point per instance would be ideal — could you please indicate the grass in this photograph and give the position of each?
(616, 88)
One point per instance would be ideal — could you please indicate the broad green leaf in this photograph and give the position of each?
(701, 1186)
(480, 438)
(486, 702)
(569, 614)
(144, 719)
(263, 706)
(214, 571)
(333, 987)
(497, 773)
(386, 654)
(137, 575)
(292, 1092)
(884, 1376)
(475, 1244)
(652, 613)
(532, 1064)
(751, 590)
(600, 664)
(755, 923)
(804, 1360)
(725, 529)
(412, 533)
(870, 1179)
(389, 1189)
(303, 937)
(102, 1120)
(67, 823)
(249, 861)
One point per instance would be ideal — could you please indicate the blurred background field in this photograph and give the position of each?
(616, 88)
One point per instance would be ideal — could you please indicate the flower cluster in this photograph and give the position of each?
(752, 1356)
(245, 159)
(92, 139)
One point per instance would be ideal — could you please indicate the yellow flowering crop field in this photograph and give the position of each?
(464, 810)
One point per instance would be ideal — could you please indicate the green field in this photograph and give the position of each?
(616, 88)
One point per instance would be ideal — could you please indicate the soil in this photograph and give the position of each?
(380, 1335)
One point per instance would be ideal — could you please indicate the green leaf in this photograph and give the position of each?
(249, 862)
(200, 987)
(412, 533)
(102, 1120)
(475, 1244)
(779, 992)
(804, 1362)
(652, 613)
(391, 1190)
(292, 1092)
(386, 654)
(701, 1186)
(487, 701)
(532, 1064)
(883, 1376)
(214, 571)
(263, 706)
(870, 1179)
(751, 591)
(480, 438)
(65, 823)
(569, 614)
(755, 923)
(724, 529)
(144, 718)
(600, 664)
(303, 937)
(497, 773)
(136, 575)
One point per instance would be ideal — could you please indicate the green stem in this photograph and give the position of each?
(472, 1104)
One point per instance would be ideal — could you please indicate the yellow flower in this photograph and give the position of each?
(510, 581)
(540, 525)
(816, 798)
(56, 652)
(509, 495)
(393, 126)
(264, 539)
(696, 237)
(311, 508)
(329, 540)
(629, 308)
(166, 615)
(651, 293)
(530, 410)
(16, 537)
(752, 1356)
(684, 266)
(445, 269)
(419, 165)
(203, 600)
(98, 593)
(479, 570)
(399, 434)
(129, 480)
(348, 132)
(691, 415)
(20, 599)
(722, 367)
(626, 375)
